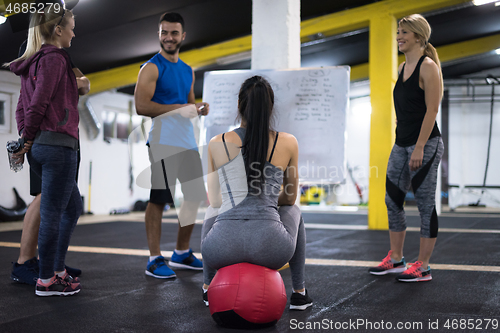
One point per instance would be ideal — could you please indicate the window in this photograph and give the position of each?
(109, 124)
(119, 125)
(5, 113)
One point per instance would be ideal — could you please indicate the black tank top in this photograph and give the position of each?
(409, 102)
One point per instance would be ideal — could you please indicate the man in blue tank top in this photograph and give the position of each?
(164, 92)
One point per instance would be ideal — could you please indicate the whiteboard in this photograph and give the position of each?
(310, 103)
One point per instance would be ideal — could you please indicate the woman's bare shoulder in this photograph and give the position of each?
(429, 65)
(287, 140)
(400, 68)
(429, 70)
(232, 144)
(287, 137)
(217, 138)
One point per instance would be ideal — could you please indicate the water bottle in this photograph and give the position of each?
(14, 147)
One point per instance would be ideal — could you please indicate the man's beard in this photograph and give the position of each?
(174, 51)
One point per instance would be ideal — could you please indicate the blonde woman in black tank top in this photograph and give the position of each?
(418, 149)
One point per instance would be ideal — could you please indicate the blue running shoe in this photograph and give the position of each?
(186, 260)
(25, 273)
(158, 268)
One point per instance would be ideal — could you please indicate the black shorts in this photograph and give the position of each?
(178, 163)
(36, 182)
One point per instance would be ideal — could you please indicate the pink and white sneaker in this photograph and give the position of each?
(415, 273)
(388, 266)
(58, 286)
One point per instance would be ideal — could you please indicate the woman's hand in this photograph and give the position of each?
(416, 158)
(27, 145)
(19, 157)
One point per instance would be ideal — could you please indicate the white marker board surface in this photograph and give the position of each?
(310, 103)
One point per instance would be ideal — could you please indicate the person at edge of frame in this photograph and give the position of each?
(49, 93)
(25, 269)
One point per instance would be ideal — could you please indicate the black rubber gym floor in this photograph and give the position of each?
(116, 296)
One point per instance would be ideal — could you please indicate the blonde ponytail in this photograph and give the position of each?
(431, 52)
(35, 39)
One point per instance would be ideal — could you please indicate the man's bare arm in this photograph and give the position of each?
(144, 92)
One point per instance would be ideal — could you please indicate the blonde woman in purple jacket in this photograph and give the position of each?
(47, 117)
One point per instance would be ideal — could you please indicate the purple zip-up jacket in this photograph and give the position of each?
(47, 111)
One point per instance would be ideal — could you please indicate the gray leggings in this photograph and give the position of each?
(423, 182)
(261, 242)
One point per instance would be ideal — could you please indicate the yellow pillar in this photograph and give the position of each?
(383, 76)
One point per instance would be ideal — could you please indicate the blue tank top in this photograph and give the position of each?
(240, 201)
(172, 87)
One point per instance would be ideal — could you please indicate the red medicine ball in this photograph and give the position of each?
(247, 296)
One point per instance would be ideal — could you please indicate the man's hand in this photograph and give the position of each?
(203, 108)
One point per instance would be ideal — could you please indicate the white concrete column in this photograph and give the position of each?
(275, 34)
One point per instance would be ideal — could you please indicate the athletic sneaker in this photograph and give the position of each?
(415, 273)
(57, 287)
(74, 272)
(389, 266)
(28, 272)
(25, 273)
(158, 268)
(70, 279)
(300, 302)
(205, 296)
(186, 260)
